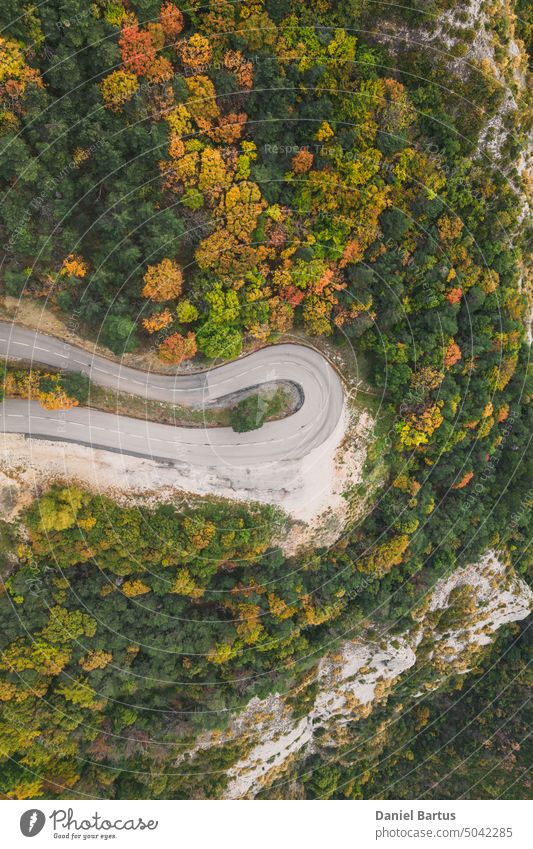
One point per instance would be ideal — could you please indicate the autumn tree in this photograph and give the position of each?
(157, 321)
(15, 73)
(419, 427)
(172, 20)
(316, 313)
(135, 587)
(163, 281)
(160, 70)
(137, 49)
(177, 348)
(383, 557)
(452, 354)
(281, 317)
(95, 660)
(455, 295)
(302, 161)
(465, 480)
(241, 206)
(118, 88)
(50, 390)
(74, 266)
(242, 68)
(195, 52)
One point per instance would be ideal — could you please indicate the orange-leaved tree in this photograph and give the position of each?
(74, 266)
(177, 348)
(452, 354)
(157, 321)
(137, 49)
(163, 281)
(302, 161)
(171, 20)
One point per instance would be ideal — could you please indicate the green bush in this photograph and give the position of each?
(249, 414)
(76, 386)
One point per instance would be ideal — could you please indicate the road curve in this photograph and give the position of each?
(300, 437)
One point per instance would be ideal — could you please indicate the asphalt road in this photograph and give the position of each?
(312, 427)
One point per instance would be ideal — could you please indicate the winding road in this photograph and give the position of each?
(272, 457)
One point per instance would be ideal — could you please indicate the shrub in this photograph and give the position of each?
(249, 414)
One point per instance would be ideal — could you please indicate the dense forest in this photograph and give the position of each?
(198, 180)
